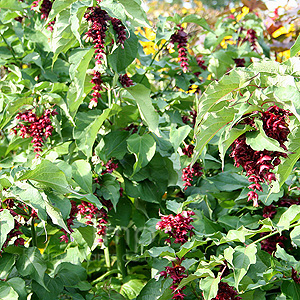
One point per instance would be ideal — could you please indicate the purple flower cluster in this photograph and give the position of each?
(39, 128)
(251, 38)
(99, 20)
(176, 273)
(226, 292)
(258, 165)
(181, 38)
(177, 227)
(125, 80)
(45, 8)
(190, 173)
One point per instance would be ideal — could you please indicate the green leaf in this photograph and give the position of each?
(79, 63)
(13, 5)
(7, 261)
(115, 10)
(32, 264)
(243, 257)
(34, 199)
(178, 135)
(174, 206)
(19, 285)
(62, 38)
(197, 20)
(70, 274)
(209, 286)
(77, 12)
(82, 174)
(121, 58)
(56, 216)
(259, 141)
(281, 254)
(214, 122)
(142, 97)
(110, 189)
(7, 223)
(7, 292)
(88, 125)
(154, 289)
(115, 145)
(57, 7)
(228, 137)
(131, 288)
(134, 11)
(288, 217)
(296, 47)
(161, 251)
(143, 148)
(295, 236)
(49, 175)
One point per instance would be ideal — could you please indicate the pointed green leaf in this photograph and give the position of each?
(32, 264)
(142, 97)
(288, 217)
(7, 261)
(209, 286)
(7, 223)
(56, 216)
(7, 292)
(48, 175)
(296, 47)
(143, 148)
(178, 135)
(88, 125)
(82, 174)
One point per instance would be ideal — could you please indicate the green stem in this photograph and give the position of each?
(9, 48)
(107, 257)
(33, 234)
(121, 253)
(153, 59)
(99, 279)
(271, 234)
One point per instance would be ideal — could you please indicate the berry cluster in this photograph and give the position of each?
(39, 128)
(178, 227)
(45, 8)
(190, 173)
(181, 38)
(258, 165)
(226, 292)
(125, 80)
(188, 150)
(99, 23)
(176, 273)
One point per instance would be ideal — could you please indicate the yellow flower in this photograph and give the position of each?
(227, 40)
(282, 30)
(245, 11)
(284, 55)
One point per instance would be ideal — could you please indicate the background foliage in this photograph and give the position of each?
(116, 130)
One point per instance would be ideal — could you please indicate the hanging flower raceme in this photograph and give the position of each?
(258, 165)
(177, 227)
(295, 276)
(176, 273)
(45, 9)
(226, 292)
(181, 38)
(120, 30)
(251, 38)
(37, 127)
(97, 81)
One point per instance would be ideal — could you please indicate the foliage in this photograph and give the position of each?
(121, 176)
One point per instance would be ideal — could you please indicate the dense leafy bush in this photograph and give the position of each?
(143, 161)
